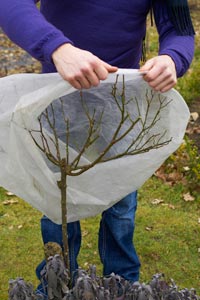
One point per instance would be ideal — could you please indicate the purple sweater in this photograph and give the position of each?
(111, 29)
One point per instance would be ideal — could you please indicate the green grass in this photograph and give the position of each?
(171, 244)
(167, 238)
(20, 242)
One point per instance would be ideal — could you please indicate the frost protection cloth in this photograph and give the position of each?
(148, 120)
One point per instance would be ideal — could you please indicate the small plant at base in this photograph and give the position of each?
(88, 286)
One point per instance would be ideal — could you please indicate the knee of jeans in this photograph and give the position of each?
(126, 206)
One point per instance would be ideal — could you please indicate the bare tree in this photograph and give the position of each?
(74, 166)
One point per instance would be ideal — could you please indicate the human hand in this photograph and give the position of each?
(161, 73)
(80, 68)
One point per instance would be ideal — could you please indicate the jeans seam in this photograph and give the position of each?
(72, 248)
(103, 241)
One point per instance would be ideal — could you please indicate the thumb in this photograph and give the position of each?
(109, 68)
(148, 65)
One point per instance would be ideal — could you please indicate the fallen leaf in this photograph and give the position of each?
(171, 206)
(10, 202)
(174, 176)
(85, 233)
(160, 174)
(157, 201)
(9, 194)
(194, 116)
(186, 168)
(195, 129)
(19, 226)
(188, 197)
(148, 228)
(6, 215)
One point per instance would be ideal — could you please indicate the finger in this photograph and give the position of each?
(165, 79)
(156, 74)
(111, 69)
(155, 81)
(80, 82)
(167, 87)
(93, 74)
(147, 66)
(163, 84)
(76, 84)
(85, 83)
(93, 79)
(70, 79)
(101, 72)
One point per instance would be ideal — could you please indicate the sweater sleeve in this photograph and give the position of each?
(179, 47)
(26, 26)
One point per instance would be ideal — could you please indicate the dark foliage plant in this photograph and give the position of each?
(87, 285)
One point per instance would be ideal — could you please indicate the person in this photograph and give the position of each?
(85, 40)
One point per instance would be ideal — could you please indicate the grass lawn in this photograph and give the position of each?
(167, 237)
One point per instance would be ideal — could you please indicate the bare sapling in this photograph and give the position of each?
(49, 142)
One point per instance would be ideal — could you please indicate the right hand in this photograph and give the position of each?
(80, 68)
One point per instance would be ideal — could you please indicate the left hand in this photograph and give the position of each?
(161, 73)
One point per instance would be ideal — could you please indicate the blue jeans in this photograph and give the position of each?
(116, 248)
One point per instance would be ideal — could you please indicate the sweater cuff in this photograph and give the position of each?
(180, 70)
(51, 43)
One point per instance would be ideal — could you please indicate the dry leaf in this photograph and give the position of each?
(148, 228)
(188, 197)
(160, 174)
(6, 215)
(171, 206)
(19, 226)
(84, 233)
(194, 116)
(9, 194)
(195, 129)
(10, 202)
(157, 201)
(175, 176)
(186, 168)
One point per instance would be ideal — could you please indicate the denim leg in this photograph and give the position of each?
(116, 247)
(52, 232)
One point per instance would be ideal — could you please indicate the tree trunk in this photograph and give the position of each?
(63, 188)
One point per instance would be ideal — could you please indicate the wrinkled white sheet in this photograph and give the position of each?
(24, 169)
